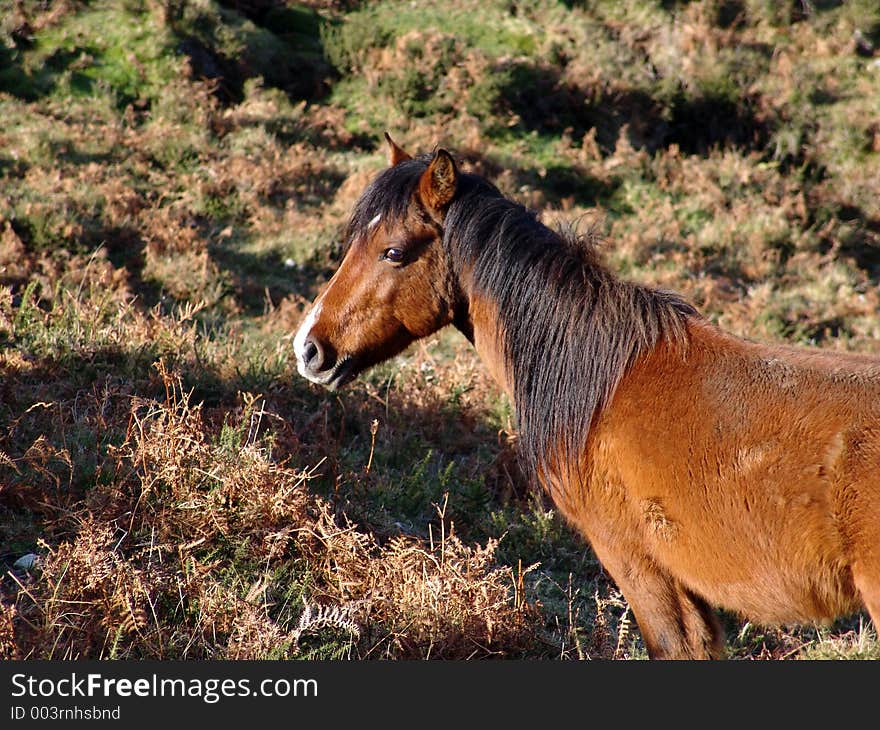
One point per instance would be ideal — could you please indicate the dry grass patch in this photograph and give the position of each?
(148, 569)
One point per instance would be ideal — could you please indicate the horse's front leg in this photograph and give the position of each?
(674, 622)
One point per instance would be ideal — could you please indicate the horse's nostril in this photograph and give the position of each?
(309, 351)
(313, 355)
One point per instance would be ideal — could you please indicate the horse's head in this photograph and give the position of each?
(394, 285)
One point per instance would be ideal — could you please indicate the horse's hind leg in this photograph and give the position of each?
(866, 577)
(863, 536)
(674, 622)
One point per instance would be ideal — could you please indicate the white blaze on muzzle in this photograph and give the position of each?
(305, 329)
(302, 334)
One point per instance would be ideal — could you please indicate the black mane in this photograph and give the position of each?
(388, 195)
(571, 328)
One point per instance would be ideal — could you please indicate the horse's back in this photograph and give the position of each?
(749, 472)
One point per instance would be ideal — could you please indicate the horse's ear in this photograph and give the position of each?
(396, 154)
(438, 182)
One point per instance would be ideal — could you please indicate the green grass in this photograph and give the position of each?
(105, 51)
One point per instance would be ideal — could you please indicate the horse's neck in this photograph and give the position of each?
(482, 326)
(615, 323)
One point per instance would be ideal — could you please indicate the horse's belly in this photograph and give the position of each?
(743, 538)
(770, 553)
(752, 477)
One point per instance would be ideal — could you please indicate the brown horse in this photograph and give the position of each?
(704, 470)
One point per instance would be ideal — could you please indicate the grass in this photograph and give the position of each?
(174, 181)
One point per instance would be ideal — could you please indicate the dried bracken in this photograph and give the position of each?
(143, 580)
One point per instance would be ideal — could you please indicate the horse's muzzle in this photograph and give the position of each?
(313, 355)
(318, 364)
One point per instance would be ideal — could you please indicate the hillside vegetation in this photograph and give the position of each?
(175, 176)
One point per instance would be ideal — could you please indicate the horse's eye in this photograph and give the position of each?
(394, 255)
